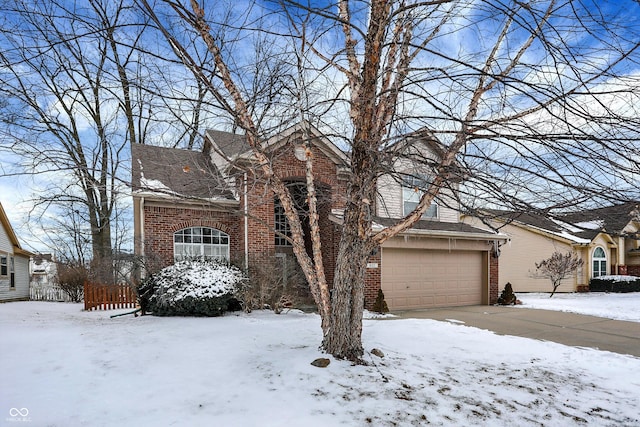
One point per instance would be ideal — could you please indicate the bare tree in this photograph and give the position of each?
(82, 81)
(558, 267)
(530, 104)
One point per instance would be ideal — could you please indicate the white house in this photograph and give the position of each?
(14, 263)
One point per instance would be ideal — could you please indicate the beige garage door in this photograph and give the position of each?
(416, 278)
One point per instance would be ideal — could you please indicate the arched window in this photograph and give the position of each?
(599, 262)
(200, 242)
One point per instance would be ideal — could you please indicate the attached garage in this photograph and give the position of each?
(426, 278)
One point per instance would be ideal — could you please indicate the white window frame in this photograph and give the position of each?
(4, 265)
(282, 228)
(12, 273)
(201, 242)
(599, 264)
(412, 193)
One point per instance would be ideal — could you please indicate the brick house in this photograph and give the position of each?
(213, 203)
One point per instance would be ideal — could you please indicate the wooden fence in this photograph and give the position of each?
(108, 297)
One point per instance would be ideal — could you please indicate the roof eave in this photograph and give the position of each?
(190, 200)
(450, 234)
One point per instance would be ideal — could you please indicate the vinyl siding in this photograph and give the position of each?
(389, 202)
(518, 258)
(21, 264)
(5, 243)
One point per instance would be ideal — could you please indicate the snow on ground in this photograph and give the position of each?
(67, 367)
(600, 304)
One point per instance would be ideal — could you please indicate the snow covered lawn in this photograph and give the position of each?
(67, 367)
(601, 304)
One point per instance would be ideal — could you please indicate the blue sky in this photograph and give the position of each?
(16, 192)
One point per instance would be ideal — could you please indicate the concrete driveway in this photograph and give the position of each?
(564, 328)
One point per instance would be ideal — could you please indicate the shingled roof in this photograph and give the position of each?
(176, 172)
(428, 225)
(585, 224)
(230, 144)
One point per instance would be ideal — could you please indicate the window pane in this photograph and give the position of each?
(432, 211)
(197, 242)
(409, 206)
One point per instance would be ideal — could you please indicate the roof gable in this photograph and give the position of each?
(13, 238)
(226, 148)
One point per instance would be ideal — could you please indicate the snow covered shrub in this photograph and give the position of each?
(619, 284)
(190, 288)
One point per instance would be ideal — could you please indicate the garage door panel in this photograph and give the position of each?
(413, 278)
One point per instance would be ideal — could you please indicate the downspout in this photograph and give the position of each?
(246, 223)
(142, 249)
(142, 226)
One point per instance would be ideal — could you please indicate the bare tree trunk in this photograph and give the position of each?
(344, 338)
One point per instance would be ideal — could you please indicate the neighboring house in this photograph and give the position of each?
(606, 239)
(42, 269)
(190, 203)
(14, 263)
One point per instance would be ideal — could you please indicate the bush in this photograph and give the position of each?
(274, 283)
(380, 305)
(70, 279)
(190, 288)
(621, 284)
(507, 297)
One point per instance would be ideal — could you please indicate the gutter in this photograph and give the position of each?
(192, 201)
(451, 234)
(336, 218)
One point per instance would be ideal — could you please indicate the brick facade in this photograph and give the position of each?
(372, 279)
(493, 279)
(161, 219)
(633, 270)
(260, 204)
(161, 222)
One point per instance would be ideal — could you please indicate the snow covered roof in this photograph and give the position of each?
(580, 227)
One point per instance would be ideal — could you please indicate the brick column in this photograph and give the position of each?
(493, 279)
(372, 280)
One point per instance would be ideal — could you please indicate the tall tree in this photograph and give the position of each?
(82, 81)
(532, 104)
